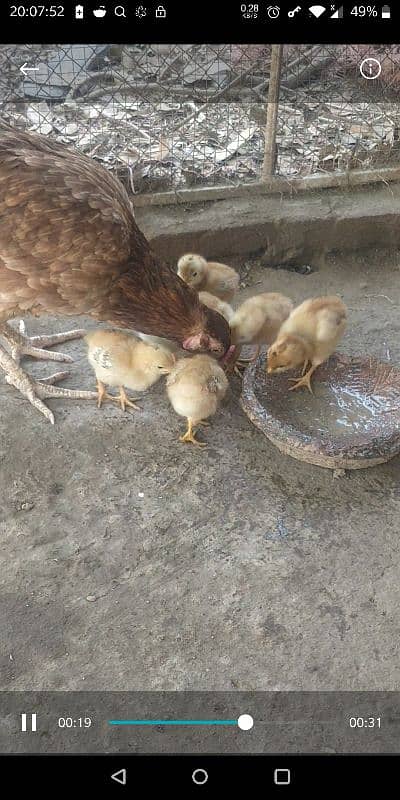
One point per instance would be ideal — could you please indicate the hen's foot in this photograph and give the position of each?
(21, 345)
(189, 436)
(37, 391)
(122, 399)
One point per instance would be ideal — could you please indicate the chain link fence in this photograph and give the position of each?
(167, 118)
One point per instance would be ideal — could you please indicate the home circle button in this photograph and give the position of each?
(199, 776)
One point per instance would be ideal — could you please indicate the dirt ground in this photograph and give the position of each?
(131, 561)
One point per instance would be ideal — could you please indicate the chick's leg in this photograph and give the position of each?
(37, 391)
(122, 399)
(101, 393)
(190, 437)
(304, 381)
(21, 345)
(305, 365)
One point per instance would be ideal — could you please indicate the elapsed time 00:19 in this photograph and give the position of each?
(71, 722)
(361, 722)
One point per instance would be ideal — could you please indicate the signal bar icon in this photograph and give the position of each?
(338, 14)
(33, 722)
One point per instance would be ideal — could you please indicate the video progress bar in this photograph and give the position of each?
(245, 722)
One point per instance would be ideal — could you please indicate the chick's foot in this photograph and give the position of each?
(21, 345)
(122, 399)
(189, 437)
(304, 381)
(37, 391)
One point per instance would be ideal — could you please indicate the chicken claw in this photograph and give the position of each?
(37, 391)
(189, 436)
(122, 398)
(21, 345)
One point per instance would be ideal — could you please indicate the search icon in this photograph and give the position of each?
(119, 11)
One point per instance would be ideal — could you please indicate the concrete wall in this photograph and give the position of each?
(283, 229)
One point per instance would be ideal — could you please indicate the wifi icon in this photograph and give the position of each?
(317, 11)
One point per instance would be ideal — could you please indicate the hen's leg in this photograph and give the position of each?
(190, 437)
(242, 363)
(37, 391)
(232, 359)
(21, 345)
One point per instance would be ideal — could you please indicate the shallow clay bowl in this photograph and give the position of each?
(351, 422)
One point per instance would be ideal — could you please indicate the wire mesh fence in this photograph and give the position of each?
(168, 117)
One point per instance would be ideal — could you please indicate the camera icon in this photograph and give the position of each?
(273, 12)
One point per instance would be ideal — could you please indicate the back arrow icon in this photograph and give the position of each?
(25, 69)
(119, 777)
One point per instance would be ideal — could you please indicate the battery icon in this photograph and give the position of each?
(386, 12)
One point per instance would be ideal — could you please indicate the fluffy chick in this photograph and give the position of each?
(120, 359)
(309, 335)
(258, 320)
(195, 387)
(212, 301)
(208, 276)
(159, 341)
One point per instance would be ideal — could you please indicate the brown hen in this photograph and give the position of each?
(69, 244)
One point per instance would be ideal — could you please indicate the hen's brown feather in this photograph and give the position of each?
(69, 244)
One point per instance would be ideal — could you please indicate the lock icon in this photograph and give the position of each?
(161, 12)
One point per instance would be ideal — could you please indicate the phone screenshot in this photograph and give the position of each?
(199, 396)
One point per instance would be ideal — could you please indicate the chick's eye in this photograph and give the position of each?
(194, 274)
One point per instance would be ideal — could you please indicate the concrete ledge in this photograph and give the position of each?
(284, 229)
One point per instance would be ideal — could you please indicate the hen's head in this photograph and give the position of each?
(214, 337)
(192, 269)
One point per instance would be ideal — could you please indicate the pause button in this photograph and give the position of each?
(29, 722)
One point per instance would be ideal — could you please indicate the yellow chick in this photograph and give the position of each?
(208, 276)
(216, 304)
(258, 320)
(195, 387)
(120, 359)
(159, 341)
(308, 336)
